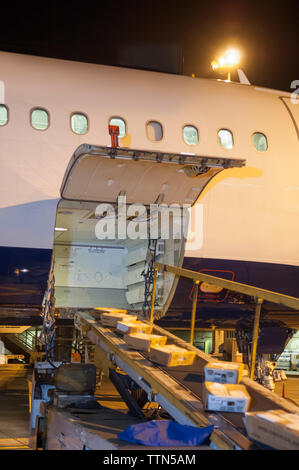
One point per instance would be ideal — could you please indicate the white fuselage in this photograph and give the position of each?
(250, 213)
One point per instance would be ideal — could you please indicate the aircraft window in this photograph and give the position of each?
(226, 139)
(260, 142)
(117, 121)
(154, 131)
(3, 115)
(40, 119)
(190, 135)
(79, 123)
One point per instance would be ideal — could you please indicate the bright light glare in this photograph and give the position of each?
(231, 57)
(60, 229)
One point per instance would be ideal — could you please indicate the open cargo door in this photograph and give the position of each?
(121, 210)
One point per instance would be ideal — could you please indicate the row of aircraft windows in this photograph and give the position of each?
(154, 129)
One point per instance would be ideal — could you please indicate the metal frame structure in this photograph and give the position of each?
(182, 404)
(165, 389)
(258, 294)
(153, 155)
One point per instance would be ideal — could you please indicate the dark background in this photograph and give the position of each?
(180, 37)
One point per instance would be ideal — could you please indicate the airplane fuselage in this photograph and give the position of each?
(250, 215)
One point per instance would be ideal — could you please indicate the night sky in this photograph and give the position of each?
(267, 33)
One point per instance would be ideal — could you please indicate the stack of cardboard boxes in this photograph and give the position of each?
(222, 390)
(138, 335)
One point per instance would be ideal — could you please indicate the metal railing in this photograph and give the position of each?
(30, 338)
(257, 293)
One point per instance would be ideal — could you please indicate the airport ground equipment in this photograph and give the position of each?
(177, 389)
(260, 297)
(65, 414)
(4, 358)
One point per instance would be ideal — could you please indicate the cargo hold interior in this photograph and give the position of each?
(92, 272)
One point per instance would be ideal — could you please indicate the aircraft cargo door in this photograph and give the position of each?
(121, 210)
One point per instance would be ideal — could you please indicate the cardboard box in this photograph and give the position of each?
(224, 372)
(143, 341)
(132, 327)
(276, 429)
(171, 355)
(111, 319)
(232, 398)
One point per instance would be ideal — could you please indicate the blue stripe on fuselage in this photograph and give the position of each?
(23, 275)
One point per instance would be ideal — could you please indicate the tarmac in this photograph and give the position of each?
(14, 407)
